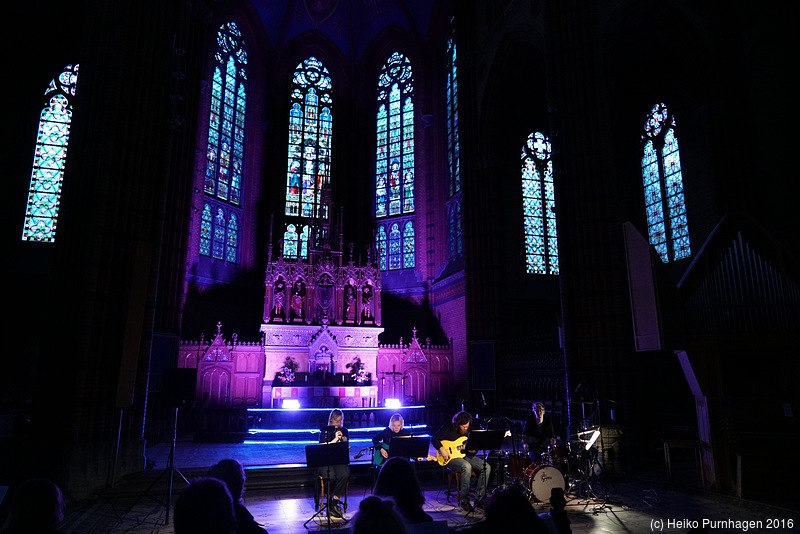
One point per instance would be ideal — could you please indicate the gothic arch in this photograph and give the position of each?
(215, 386)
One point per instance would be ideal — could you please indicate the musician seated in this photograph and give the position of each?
(538, 433)
(380, 441)
(449, 442)
(339, 474)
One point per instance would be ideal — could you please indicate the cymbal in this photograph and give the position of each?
(585, 435)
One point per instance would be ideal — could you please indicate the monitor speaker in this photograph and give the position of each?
(179, 387)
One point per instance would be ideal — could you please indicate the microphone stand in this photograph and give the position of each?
(517, 457)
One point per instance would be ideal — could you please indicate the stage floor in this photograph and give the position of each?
(280, 496)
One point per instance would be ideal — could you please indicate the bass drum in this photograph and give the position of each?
(541, 479)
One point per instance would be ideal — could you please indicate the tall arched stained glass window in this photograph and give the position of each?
(538, 206)
(453, 203)
(310, 122)
(665, 206)
(394, 172)
(49, 158)
(225, 153)
(394, 159)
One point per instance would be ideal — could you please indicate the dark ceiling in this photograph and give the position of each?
(351, 24)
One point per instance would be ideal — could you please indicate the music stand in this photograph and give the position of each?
(409, 446)
(484, 440)
(326, 455)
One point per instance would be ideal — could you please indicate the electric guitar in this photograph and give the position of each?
(378, 459)
(454, 448)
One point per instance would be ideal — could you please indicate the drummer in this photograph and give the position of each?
(538, 433)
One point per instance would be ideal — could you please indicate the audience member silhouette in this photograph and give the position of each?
(398, 481)
(206, 507)
(36, 507)
(231, 472)
(378, 516)
(556, 519)
(510, 511)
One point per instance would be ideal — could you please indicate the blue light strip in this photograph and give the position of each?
(307, 442)
(316, 430)
(326, 410)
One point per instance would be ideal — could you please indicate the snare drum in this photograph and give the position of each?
(541, 479)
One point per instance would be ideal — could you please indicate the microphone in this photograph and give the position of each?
(360, 454)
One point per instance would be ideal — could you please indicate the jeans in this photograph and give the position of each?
(465, 466)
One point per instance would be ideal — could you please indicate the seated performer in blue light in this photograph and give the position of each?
(339, 474)
(381, 440)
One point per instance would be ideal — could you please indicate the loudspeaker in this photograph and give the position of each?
(179, 387)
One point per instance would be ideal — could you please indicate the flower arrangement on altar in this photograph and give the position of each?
(286, 375)
(359, 374)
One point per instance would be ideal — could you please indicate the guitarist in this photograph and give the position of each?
(448, 441)
(381, 440)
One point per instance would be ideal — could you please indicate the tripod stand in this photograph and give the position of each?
(589, 470)
(169, 470)
(326, 455)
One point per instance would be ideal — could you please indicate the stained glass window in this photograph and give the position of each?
(206, 230)
(309, 155)
(394, 163)
(394, 173)
(290, 241)
(232, 242)
(451, 91)
(538, 206)
(665, 206)
(49, 158)
(453, 203)
(380, 242)
(219, 233)
(408, 244)
(225, 152)
(218, 237)
(395, 247)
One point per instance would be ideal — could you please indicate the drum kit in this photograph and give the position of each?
(572, 466)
